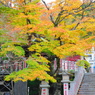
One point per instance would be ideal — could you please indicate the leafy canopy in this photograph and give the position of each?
(60, 29)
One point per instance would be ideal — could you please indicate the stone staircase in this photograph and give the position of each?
(88, 85)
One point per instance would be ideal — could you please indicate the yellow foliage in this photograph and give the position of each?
(59, 30)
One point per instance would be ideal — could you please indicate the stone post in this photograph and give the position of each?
(44, 88)
(20, 88)
(65, 81)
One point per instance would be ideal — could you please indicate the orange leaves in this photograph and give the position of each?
(68, 37)
(35, 28)
(85, 19)
(34, 11)
(30, 74)
(58, 29)
(20, 1)
(72, 4)
(88, 23)
(22, 15)
(67, 4)
(91, 28)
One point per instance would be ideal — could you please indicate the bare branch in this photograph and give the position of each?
(58, 17)
(79, 21)
(51, 17)
(6, 5)
(45, 5)
(83, 9)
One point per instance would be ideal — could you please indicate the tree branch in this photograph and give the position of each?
(51, 17)
(79, 21)
(45, 5)
(4, 4)
(75, 12)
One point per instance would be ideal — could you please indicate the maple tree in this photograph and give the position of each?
(83, 63)
(40, 32)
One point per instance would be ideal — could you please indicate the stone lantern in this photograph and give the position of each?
(44, 88)
(65, 81)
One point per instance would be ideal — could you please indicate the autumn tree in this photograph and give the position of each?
(39, 32)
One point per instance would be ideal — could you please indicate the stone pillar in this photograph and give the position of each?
(20, 88)
(65, 81)
(44, 88)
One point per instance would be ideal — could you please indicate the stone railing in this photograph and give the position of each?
(74, 85)
(9, 68)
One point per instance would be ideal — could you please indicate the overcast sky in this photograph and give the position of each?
(48, 1)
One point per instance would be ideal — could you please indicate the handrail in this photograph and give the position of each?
(9, 68)
(74, 85)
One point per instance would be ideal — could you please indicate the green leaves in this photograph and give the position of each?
(35, 70)
(35, 1)
(29, 74)
(37, 60)
(83, 63)
(17, 50)
(31, 25)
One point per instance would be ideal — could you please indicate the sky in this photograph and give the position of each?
(48, 1)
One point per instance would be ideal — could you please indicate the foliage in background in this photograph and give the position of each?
(83, 63)
(33, 87)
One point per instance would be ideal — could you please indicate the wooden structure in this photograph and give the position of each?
(5, 86)
(9, 87)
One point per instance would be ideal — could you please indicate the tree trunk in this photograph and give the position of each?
(55, 89)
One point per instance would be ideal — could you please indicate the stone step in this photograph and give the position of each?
(88, 85)
(86, 90)
(90, 78)
(82, 87)
(89, 81)
(89, 73)
(85, 94)
(90, 93)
